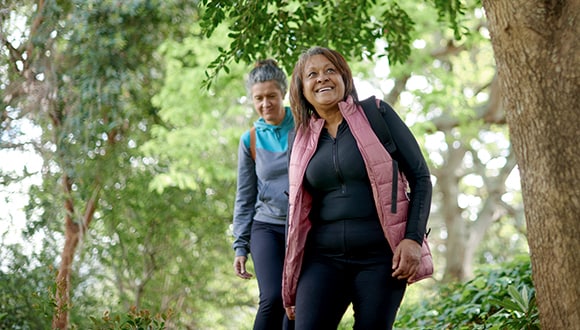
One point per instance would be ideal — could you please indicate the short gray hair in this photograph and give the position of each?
(267, 70)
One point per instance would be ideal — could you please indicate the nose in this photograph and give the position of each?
(265, 102)
(322, 77)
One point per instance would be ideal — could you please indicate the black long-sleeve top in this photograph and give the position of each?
(337, 179)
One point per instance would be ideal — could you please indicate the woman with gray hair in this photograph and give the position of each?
(261, 203)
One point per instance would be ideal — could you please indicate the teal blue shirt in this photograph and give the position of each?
(261, 185)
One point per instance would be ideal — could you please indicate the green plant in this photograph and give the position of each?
(521, 310)
(134, 319)
(502, 297)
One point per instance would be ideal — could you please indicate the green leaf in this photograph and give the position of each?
(518, 298)
(507, 304)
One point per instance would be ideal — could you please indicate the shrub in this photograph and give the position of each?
(496, 298)
(133, 320)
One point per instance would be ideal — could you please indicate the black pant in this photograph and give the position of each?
(335, 274)
(267, 247)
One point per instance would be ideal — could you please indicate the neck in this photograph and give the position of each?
(330, 115)
(332, 118)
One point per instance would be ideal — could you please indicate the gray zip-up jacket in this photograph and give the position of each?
(262, 183)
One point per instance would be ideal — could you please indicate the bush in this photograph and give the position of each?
(24, 290)
(497, 298)
(133, 320)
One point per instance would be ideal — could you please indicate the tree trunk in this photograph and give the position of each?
(448, 184)
(537, 53)
(464, 236)
(74, 232)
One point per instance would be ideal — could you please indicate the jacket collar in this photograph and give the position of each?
(287, 122)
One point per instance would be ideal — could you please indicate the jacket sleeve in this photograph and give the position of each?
(245, 201)
(414, 166)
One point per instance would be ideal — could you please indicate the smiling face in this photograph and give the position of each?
(323, 85)
(268, 101)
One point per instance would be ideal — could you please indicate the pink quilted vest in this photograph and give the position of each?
(380, 170)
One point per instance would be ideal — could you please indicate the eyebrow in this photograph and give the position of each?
(311, 68)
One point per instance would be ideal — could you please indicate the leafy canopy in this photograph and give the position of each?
(283, 29)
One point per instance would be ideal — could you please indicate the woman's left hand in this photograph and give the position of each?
(406, 259)
(291, 312)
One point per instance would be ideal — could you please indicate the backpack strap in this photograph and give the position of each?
(373, 108)
(378, 124)
(253, 142)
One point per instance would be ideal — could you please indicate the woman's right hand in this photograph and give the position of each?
(240, 267)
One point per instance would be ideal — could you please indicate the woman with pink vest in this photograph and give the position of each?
(354, 235)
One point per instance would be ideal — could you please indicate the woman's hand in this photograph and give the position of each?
(406, 259)
(291, 312)
(240, 267)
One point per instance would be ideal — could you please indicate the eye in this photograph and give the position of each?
(310, 74)
(330, 70)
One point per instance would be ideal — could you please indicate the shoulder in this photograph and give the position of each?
(245, 138)
(384, 107)
(288, 122)
(387, 112)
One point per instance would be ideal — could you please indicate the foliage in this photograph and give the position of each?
(452, 11)
(283, 29)
(198, 136)
(24, 289)
(500, 297)
(84, 74)
(132, 320)
(520, 309)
